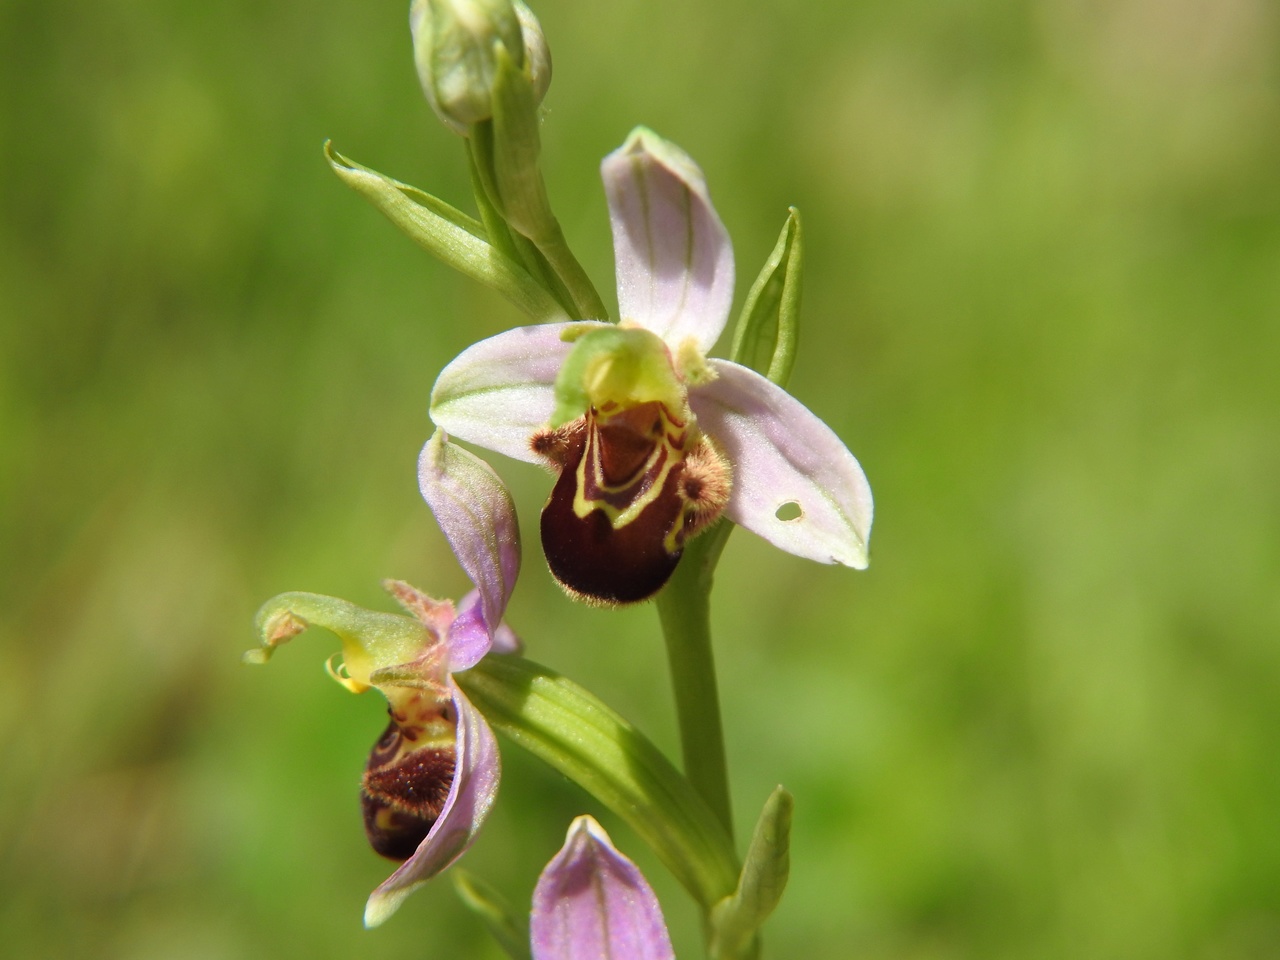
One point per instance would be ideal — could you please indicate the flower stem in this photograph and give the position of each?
(552, 245)
(684, 608)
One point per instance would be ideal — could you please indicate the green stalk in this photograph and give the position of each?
(684, 608)
(551, 243)
(506, 152)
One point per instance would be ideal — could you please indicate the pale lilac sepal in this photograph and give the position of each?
(783, 454)
(478, 519)
(497, 393)
(475, 785)
(591, 903)
(672, 253)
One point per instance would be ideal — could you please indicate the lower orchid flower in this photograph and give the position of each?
(591, 902)
(652, 439)
(432, 776)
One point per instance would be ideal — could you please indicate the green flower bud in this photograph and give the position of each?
(455, 44)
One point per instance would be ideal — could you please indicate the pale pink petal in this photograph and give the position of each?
(469, 639)
(506, 640)
(475, 785)
(478, 519)
(785, 458)
(673, 256)
(592, 903)
(497, 393)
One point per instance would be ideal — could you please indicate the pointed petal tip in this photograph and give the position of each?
(591, 901)
(383, 903)
(586, 826)
(642, 141)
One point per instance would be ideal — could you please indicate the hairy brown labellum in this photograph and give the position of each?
(634, 485)
(403, 791)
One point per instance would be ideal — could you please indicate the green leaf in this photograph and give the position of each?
(506, 926)
(736, 919)
(449, 234)
(573, 731)
(768, 327)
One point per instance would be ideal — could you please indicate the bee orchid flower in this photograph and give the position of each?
(652, 439)
(433, 774)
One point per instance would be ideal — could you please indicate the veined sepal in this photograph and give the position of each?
(569, 728)
(450, 235)
(768, 327)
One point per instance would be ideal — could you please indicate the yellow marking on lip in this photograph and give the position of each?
(672, 447)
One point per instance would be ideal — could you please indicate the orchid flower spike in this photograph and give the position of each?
(432, 776)
(652, 439)
(591, 902)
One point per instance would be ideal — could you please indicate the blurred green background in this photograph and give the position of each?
(1042, 307)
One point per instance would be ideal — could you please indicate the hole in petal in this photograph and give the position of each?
(789, 511)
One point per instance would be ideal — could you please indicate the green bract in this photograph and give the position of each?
(768, 328)
(735, 920)
(456, 239)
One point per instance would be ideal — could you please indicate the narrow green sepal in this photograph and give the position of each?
(736, 919)
(765, 336)
(371, 640)
(456, 239)
(504, 924)
(622, 365)
(573, 731)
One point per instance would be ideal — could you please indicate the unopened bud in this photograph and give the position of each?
(455, 45)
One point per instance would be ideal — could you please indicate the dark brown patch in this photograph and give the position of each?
(626, 441)
(597, 562)
(402, 795)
